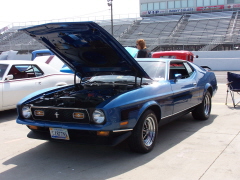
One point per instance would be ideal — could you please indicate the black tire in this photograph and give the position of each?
(203, 110)
(144, 134)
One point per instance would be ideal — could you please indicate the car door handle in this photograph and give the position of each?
(38, 83)
(194, 84)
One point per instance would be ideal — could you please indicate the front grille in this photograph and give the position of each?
(54, 114)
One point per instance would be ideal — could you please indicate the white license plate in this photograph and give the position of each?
(59, 133)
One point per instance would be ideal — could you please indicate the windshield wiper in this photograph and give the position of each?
(96, 82)
(122, 81)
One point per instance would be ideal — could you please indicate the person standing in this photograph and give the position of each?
(143, 51)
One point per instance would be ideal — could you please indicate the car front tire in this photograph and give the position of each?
(203, 110)
(144, 134)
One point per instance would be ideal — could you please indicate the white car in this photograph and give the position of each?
(19, 78)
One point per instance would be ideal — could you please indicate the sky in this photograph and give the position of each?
(13, 11)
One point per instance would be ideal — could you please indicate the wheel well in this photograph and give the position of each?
(210, 91)
(157, 111)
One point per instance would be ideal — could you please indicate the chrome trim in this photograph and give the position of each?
(56, 108)
(53, 107)
(122, 130)
(179, 111)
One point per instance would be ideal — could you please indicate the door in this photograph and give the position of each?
(185, 90)
(24, 82)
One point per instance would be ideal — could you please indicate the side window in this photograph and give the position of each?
(169, 57)
(34, 71)
(18, 71)
(25, 71)
(37, 71)
(42, 54)
(189, 69)
(180, 68)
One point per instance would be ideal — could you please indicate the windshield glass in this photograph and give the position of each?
(113, 79)
(155, 69)
(3, 68)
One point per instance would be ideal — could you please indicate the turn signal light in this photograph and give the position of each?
(33, 127)
(78, 115)
(103, 133)
(123, 123)
(38, 113)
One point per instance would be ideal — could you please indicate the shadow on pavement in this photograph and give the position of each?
(8, 115)
(52, 160)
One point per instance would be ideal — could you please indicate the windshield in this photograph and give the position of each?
(3, 68)
(113, 79)
(155, 69)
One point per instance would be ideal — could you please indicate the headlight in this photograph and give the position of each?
(26, 112)
(98, 116)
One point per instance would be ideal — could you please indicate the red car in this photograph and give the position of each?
(184, 55)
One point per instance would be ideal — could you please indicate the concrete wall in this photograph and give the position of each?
(219, 60)
(22, 57)
(12, 55)
(216, 60)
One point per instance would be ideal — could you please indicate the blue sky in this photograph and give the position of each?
(29, 10)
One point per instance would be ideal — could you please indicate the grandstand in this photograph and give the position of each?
(187, 31)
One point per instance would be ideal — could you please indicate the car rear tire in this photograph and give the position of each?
(203, 110)
(144, 134)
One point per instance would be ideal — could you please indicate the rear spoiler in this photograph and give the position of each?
(206, 68)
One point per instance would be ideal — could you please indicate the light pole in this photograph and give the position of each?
(110, 4)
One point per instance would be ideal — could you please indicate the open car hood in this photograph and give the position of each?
(86, 48)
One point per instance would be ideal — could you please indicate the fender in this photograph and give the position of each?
(208, 86)
(146, 106)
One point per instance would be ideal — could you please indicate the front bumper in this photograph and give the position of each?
(83, 136)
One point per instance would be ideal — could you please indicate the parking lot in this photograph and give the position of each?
(186, 149)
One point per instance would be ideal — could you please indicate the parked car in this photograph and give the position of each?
(126, 98)
(184, 55)
(53, 61)
(18, 78)
(41, 52)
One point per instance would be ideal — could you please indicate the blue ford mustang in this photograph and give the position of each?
(125, 98)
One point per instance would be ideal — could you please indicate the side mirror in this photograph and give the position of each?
(9, 77)
(177, 76)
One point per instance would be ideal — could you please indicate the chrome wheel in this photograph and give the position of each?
(144, 134)
(149, 131)
(203, 110)
(207, 105)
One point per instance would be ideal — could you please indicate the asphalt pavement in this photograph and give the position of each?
(186, 149)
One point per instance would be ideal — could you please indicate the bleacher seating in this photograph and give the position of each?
(169, 30)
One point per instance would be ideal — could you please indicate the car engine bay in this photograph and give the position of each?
(83, 96)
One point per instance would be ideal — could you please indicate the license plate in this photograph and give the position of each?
(59, 133)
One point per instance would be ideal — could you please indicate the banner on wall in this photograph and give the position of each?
(168, 11)
(181, 10)
(209, 8)
(153, 12)
(230, 6)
